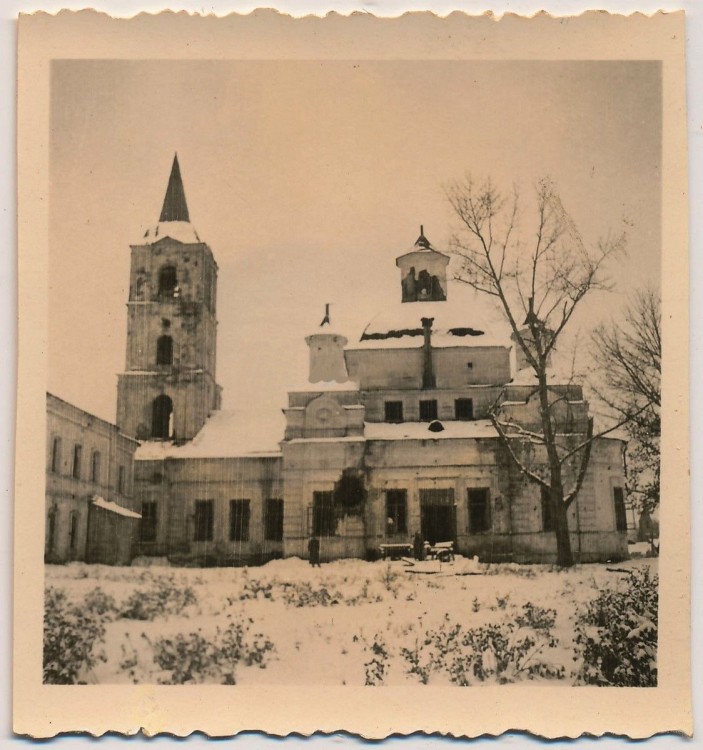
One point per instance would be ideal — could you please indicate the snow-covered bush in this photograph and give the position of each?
(195, 658)
(496, 652)
(617, 634)
(376, 668)
(165, 597)
(73, 635)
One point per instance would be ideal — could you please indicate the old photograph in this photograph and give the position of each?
(353, 373)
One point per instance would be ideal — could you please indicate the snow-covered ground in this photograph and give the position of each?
(337, 624)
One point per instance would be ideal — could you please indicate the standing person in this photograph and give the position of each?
(418, 546)
(314, 551)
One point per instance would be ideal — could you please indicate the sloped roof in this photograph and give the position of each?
(175, 207)
(465, 318)
(228, 433)
(112, 507)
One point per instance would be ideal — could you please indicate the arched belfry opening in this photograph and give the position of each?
(162, 417)
(168, 281)
(164, 350)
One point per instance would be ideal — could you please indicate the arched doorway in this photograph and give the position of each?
(161, 417)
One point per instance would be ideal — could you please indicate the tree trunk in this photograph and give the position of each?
(561, 528)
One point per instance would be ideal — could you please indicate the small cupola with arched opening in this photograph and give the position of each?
(423, 272)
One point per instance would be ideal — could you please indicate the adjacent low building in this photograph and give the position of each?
(91, 511)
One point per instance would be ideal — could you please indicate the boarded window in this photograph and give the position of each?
(274, 520)
(464, 408)
(396, 511)
(239, 520)
(121, 480)
(203, 521)
(161, 412)
(77, 455)
(547, 514)
(323, 520)
(428, 410)
(479, 510)
(394, 411)
(147, 529)
(168, 281)
(620, 512)
(95, 467)
(164, 350)
(56, 455)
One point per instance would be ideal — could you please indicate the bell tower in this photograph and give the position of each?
(168, 387)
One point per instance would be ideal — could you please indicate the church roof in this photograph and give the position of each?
(235, 433)
(463, 319)
(175, 207)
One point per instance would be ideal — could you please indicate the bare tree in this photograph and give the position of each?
(540, 279)
(629, 357)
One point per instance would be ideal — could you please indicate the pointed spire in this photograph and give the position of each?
(175, 207)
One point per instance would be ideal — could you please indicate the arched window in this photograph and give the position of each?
(56, 455)
(95, 467)
(161, 413)
(164, 350)
(168, 281)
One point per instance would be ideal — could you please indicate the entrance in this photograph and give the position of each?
(438, 515)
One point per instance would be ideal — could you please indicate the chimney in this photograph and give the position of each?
(428, 378)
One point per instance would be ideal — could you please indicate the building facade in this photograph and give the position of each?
(390, 435)
(91, 511)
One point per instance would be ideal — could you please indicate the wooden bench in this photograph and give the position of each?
(396, 550)
(442, 551)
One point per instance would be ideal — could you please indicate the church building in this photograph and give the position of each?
(390, 435)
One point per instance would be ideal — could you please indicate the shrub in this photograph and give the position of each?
(500, 652)
(617, 634)
(193, 658)
(71, 635)
(164, 597)
(376, 668)
(302, 594)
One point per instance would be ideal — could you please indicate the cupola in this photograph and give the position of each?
(327, 363)
(423, 272)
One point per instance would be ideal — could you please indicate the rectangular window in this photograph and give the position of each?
(464, 408)
(394, 411)
(147, 531)
(479, 510)
(73, 531)
(547, 515)
(396, 512)
(620, 513)
(274, 520)
(95, 467)
(323, 520)
(203, 521)
(239, 520)
(56, 455)
(121, 480)
(428, 410)
(77, 453)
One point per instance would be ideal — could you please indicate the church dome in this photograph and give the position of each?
(465, 318)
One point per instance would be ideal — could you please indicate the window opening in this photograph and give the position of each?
(162, 409)
(239, 520)
(77, 453)
(95, 467)
(464, 408)
(393, 411)
(164, 350)
(203, 521)
(56, 455)
(620, 512)
(479, 510)
(428, 410)
(274, 520)
(396, 512)
(147, 530)
(547, 515)
(323, 520)
(168, 281)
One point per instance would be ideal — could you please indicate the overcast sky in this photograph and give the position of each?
(307, 179)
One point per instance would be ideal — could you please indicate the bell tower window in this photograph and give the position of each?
(168, 281)
(162, 417)
(164, 350)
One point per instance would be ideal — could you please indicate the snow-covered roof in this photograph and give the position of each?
(465, 318)
(112, 507)
(181, 231)
(479, 428)
(225, 434)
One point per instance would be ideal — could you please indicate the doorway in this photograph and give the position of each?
(438, 515)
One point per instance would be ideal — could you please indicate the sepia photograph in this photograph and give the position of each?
(353, 373)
